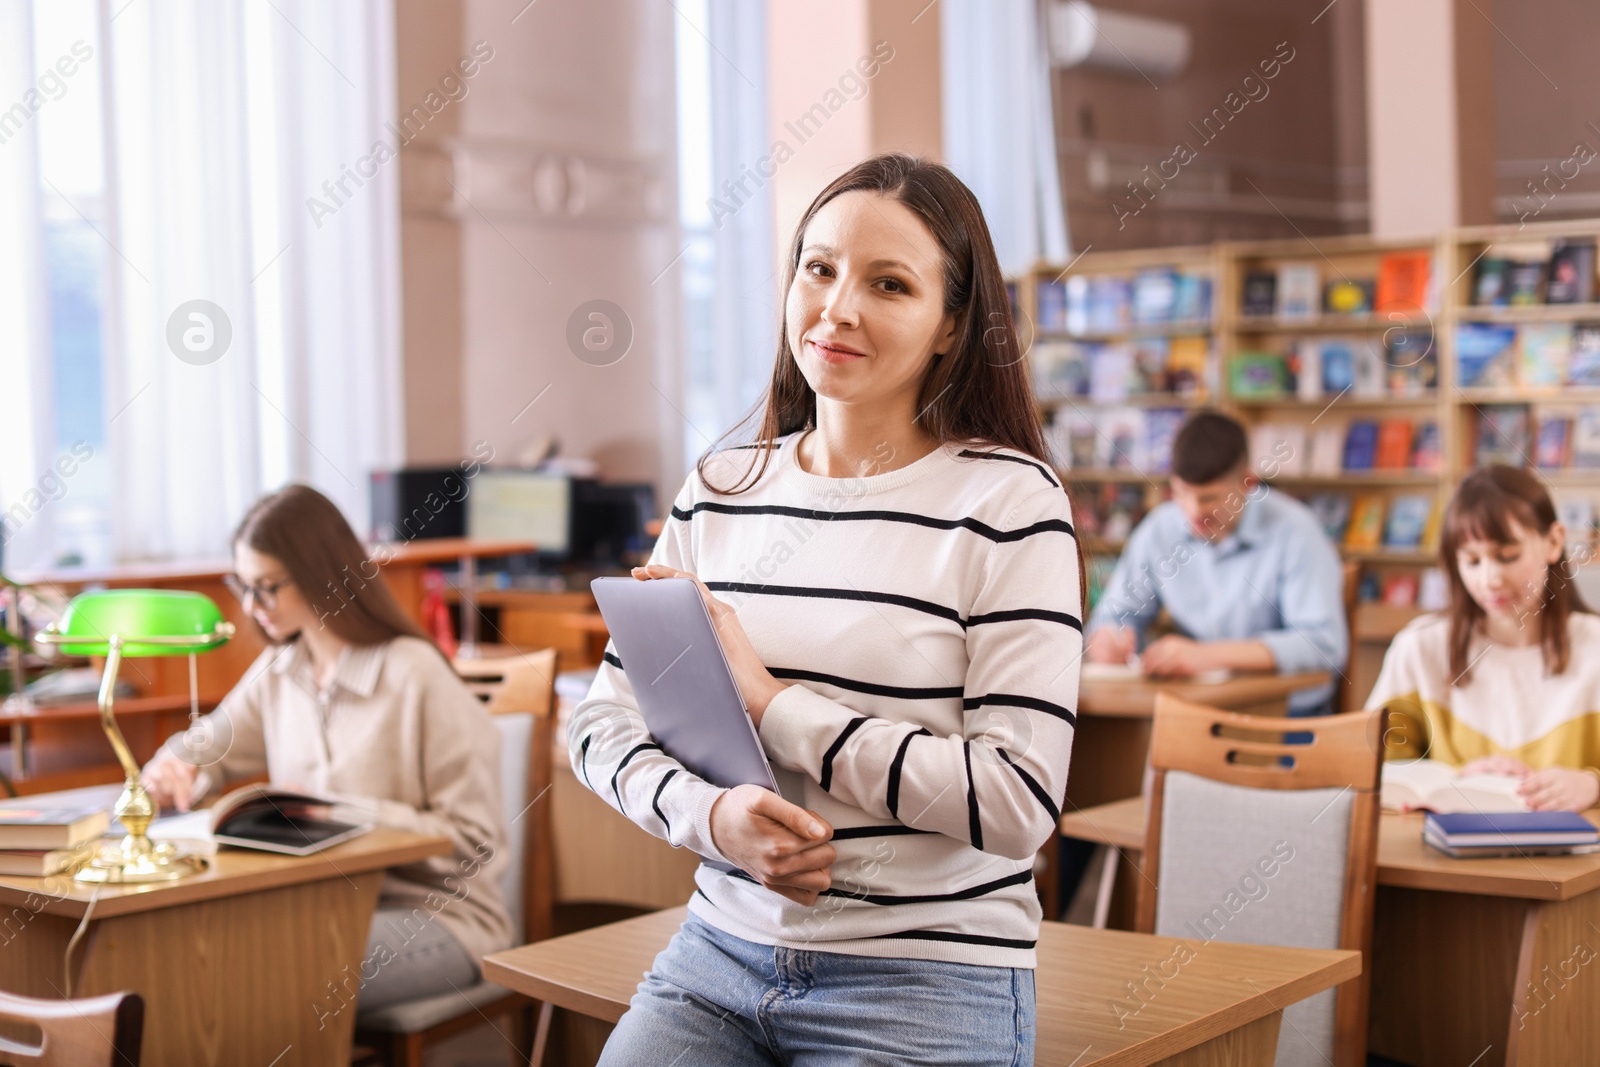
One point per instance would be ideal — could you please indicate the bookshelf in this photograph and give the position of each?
(1421, 385)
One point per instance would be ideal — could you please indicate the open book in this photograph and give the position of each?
(279, 820)
(1438, 786)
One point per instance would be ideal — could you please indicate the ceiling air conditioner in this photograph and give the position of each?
(1089, 36)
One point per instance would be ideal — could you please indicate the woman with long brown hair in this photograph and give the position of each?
(350, 701)
(1507, 681)
(893, 573)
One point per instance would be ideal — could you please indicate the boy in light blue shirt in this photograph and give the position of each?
(1247, 574)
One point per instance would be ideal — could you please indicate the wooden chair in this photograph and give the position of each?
(519, 691)
(1230, 802)
(93, 1032)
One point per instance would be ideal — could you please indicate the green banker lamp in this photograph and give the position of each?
(118, 623)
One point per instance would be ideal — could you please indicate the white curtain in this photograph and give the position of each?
(26, 432)
(243, 171)
(744, 313)
(999, 130)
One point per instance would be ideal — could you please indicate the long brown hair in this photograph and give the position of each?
(977, 392)
(306, 532)
(1487, 506)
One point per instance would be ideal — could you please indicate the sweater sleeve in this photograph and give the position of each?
(999, 784)
(610, 746)
(1399, 689)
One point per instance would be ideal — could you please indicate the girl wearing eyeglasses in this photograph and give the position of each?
(352, 702)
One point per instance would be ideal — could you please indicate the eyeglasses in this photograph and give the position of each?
(265, 593)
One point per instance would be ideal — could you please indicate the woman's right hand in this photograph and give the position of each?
(781, 845)
(169, 781)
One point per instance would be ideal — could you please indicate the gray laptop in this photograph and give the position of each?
(680, 677)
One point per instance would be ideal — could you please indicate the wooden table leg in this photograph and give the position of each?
(1555, 1018)
(1252, 1045)
(1444, 972)
(1108, 761)
(261, 978)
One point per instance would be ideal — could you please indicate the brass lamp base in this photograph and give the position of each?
(136, 858)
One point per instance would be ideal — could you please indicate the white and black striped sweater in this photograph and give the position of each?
(930, 620)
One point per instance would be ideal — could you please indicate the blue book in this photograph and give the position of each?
(1485, 355)
(1338, 367)
(1512, 828)
(1361, 445)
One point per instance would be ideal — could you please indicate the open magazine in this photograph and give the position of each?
(280, 820)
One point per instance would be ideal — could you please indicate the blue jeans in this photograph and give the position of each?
(713, 999)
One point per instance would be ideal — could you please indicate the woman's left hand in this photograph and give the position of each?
(756, 684)
(1560, 789)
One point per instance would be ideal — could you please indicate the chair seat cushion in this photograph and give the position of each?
(414, 1016)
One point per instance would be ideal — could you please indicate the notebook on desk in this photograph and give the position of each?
(1131, 672)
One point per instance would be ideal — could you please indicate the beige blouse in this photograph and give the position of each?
(395, 734)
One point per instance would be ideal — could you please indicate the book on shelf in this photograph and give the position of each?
(1407, 520)
(1551, 447)
(1400, 590)
(1160, 430)
(1188, 365)
(32, 826)
(1120, 439)
(1433, 590)
(1077, 305)
(1366, 523)
(1121, 509)
(1525, 282)
(1576, 513)
(1571, 278)
(1111, 373)
(1426, 452)
(1109, 299)
(1393, 452)
(1279, 447)
(1411, 361)
(1298, 298)
(1584, 367)
(1052, 300)
(1501, 435)
(1259, 297)
(1585, 448)
(1151, 356)
(1327, 450)
(1060, 369)
(1544, 350)
(1338, 365)
(1360, 445)
(1371, 379)
(1305, 364)
(1191, 299)
(1403, 281)
(1155, 292)
(1491, 286)
(1348, 296)
(1485, 355)
(1409, 785)
(1258, 375)
(1333, 512)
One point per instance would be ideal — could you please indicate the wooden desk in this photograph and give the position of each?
(1228, 1012)
(1112, 739)
(1482, 961)
(233, 964)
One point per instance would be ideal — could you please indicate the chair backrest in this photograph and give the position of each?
(1255, 840)
(1352, 599)
(519, 691)
(93, 1032)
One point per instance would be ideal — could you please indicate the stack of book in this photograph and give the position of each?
(1527, 273)
(39, 841)
(1534, 355)
(1516, 833)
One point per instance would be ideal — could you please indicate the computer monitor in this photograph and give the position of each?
(608, 521)
(522, 505)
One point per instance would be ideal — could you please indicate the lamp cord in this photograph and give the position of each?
(77, 935)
